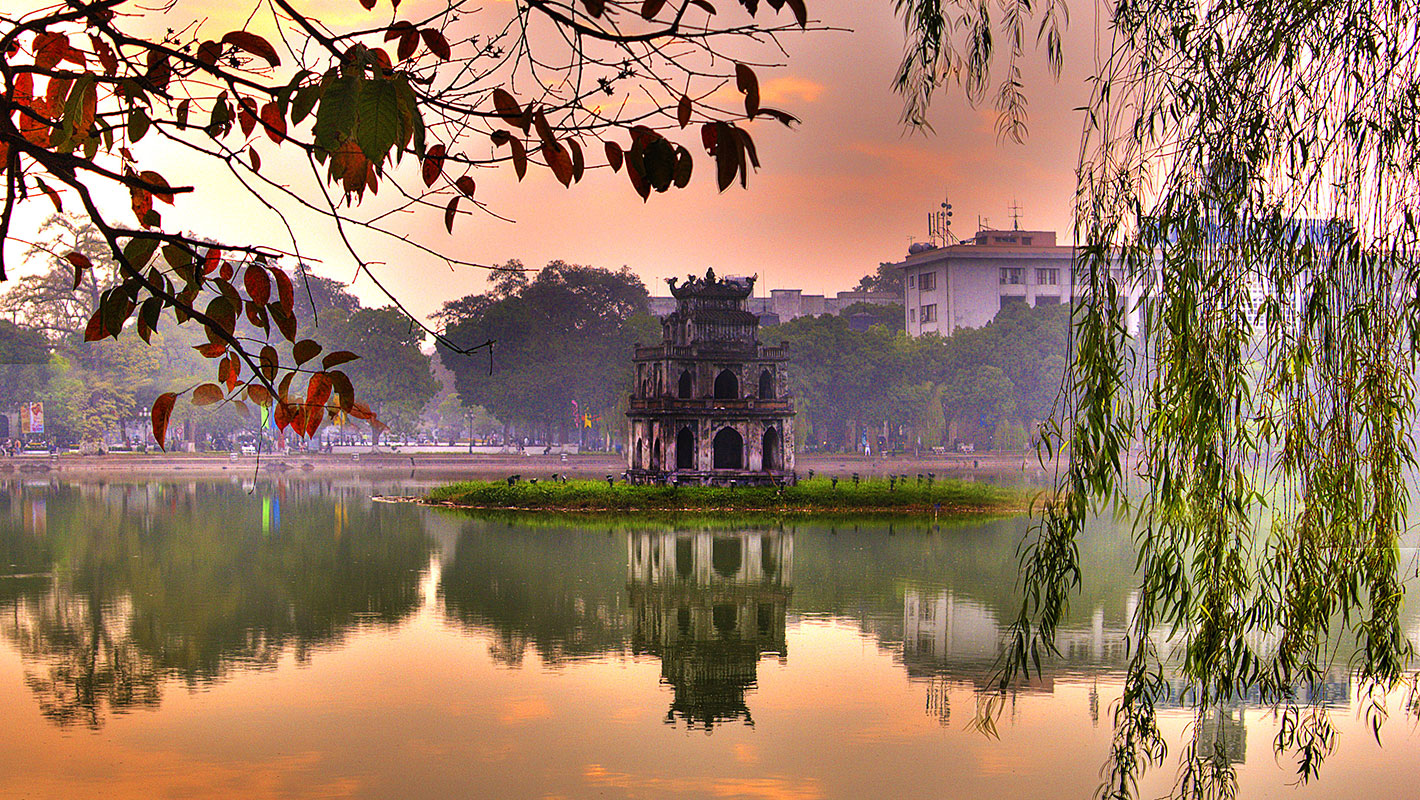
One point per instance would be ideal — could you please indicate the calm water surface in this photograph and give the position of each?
(290, 638)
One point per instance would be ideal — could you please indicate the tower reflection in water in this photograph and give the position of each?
(709, 605)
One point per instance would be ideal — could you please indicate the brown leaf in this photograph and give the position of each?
(801, 12)
(614, 156)
(94, 331)
(258, 394)
(208, 52)
(437, 44)
(408, 43)
(650, 8)
(682, 112)
(746, 82)
(450, 211)
(246, 115)
(305, 350)
(211, 349)
(207, 394)
(162, 412)
(337, 358)
(509, 109)
(268, 362)
(705, 4)
(595, 7)
(285, 293)
(257, 46)
(105, 54)
(433, 164)
(466, 185)
(559, 161)
(520, 158)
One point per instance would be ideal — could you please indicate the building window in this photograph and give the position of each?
(927, 282)
(1047, 277)
(1012, 301)
(1012, 276)
(929, 313)
(912, 281)
(1025, 240)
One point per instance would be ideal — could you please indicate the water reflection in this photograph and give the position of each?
(709, 605)
(129, 586)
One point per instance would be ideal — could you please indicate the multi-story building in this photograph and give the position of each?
(711, 404)
(965, 285)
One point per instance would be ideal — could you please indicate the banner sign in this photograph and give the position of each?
(32, 417)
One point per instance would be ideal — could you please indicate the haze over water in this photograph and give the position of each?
(294, 639)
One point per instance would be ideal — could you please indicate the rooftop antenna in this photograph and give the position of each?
(939, 225)
(1015, 215)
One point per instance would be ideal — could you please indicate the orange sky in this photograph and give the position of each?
(847, 189)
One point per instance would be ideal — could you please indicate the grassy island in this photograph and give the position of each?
(810, 497)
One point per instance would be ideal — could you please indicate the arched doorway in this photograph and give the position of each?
(636, 457)
(685, 449)
(766, 385)
(729, 449)
(656, 455)
(727, 386)
(772, 450)
(4, 427)
(687, 385)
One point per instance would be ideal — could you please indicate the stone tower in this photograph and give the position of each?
(709, 405)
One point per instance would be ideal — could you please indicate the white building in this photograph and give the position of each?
(965, 285)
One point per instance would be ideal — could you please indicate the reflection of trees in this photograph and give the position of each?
(554, 589)
(709, 605)
(157, 581)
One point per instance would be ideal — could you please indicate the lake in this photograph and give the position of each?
(292, 638)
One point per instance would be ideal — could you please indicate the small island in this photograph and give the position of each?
(897, 496)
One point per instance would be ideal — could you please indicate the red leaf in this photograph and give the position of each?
(246, 115)
(212, 261)
(81, 262)
(258, 284)
(155, 179)
(449, 212)
(408, 43)
(318, 390)
(465, 185)
(275, 122)
(162, 412)
(94, 331)
(437, 44)
(105, 53)
(433, 164)
(257, 46)
(211, 349)
(559, 161)
(285, 293)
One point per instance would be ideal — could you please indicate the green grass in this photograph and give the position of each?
(808, 497)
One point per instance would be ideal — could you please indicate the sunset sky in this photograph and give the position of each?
(847, 189)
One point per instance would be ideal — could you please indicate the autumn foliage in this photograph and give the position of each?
(411, 106)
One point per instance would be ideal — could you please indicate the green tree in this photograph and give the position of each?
(393, 375)
(887, 278)
(566, 335)
(24, 356)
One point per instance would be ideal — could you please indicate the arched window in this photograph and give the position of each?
(766, 385)
(727, 386)
(772, 451)
(729, 449)
(636, 456)
(685, 449)
(656, 455)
